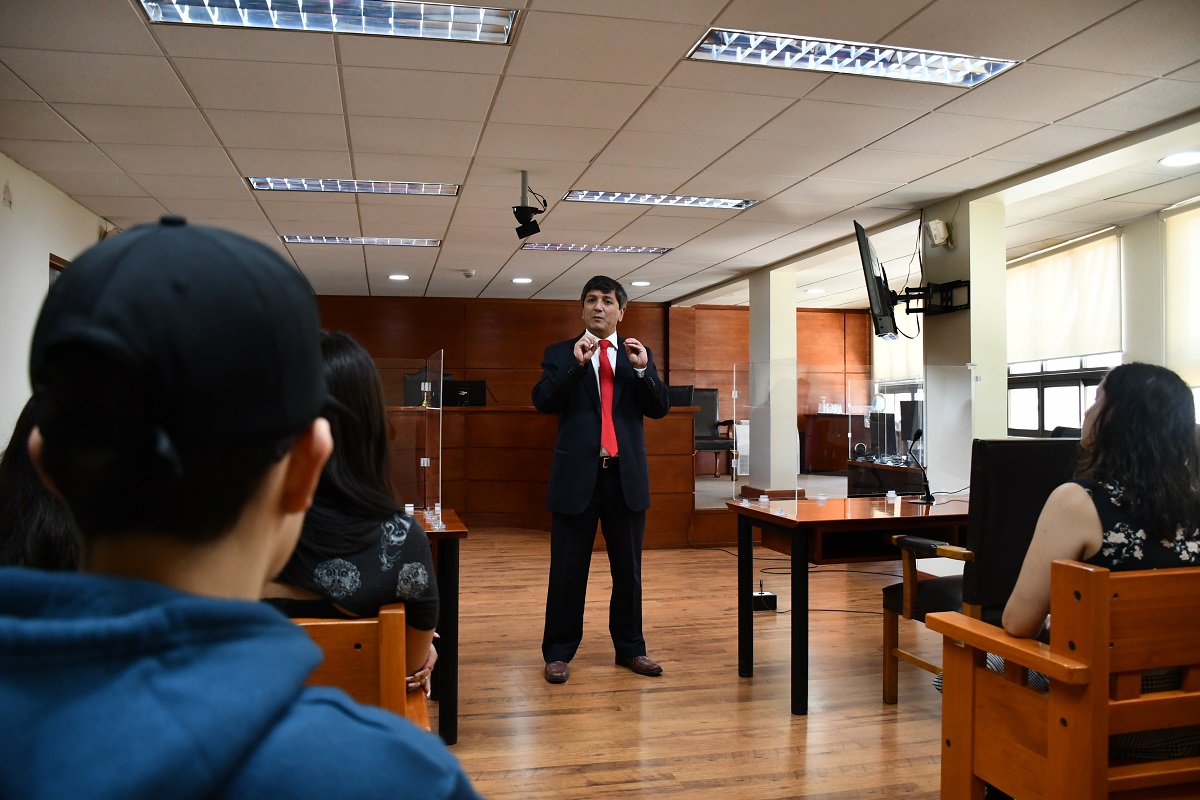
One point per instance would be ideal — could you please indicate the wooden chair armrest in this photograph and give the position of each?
(932, 547)
(1028, 653)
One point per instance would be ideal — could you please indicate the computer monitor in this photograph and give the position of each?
(912, 418)
(464, 393)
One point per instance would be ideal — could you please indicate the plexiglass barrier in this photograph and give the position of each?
(412, 391)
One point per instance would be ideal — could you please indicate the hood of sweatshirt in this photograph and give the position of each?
(113, 687)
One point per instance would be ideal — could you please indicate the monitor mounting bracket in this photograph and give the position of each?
(935, 298)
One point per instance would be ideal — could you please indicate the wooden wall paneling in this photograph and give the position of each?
(821, 339)
(681, 346)
(858, 341)
(508, 387)
(513, 334)
(667, 520)
(400, 327)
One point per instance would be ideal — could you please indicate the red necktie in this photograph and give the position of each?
(608, 434)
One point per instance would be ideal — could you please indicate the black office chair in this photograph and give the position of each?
(1010, 481)
(680, 395)
(709, 436)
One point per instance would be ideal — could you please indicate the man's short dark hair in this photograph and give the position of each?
(605, 284)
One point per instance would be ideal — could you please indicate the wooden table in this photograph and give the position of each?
(802, 522)
(445, 674)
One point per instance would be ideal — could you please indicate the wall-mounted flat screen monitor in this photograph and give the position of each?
(882, 298)
(464, 393)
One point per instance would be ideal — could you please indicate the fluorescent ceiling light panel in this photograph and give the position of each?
(522, 280)
(846, 58)
(397, 277)
(640, 283)
(292, 239)
(633, 198)
(595, 248)
(370, 17)
(360, 187)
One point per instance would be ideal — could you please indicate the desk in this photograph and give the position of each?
(802, 521)
(445, 674)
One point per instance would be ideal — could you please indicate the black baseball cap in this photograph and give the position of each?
(221, 331)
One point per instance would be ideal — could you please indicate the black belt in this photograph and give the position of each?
(608, 461)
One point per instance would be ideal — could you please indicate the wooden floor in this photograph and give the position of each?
(698, 731)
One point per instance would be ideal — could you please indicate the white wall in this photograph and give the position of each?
(40, 221)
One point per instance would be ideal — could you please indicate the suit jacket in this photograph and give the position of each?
(571, 390)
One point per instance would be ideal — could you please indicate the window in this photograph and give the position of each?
(1056, 393)
(1183, 296)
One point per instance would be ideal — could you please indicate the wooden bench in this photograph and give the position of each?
(1107, 629)
(365, 658)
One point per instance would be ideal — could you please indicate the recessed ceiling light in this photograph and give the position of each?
(639, 283)
(847, 58)
(582, 196)
(361, 187)
(370, 17)
(397, 277)
(595, 248)
(522, 280)
(814, 290)
(1186, 159)
(292, 239)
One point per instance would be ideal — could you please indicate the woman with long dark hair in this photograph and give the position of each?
(358, 550)
(1134, 504)
(36, 529)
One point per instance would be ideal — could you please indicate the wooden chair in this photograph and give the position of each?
(1010, 481)
(1108, 627)
(366, 659)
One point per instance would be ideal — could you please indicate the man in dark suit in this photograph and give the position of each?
(601, 386)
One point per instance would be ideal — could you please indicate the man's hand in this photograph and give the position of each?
(586, 347)
(637, 353)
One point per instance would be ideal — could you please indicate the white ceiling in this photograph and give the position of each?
(135, 120)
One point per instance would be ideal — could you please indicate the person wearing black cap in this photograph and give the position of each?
(179, 401)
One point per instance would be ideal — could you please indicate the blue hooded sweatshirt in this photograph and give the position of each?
(120, 688)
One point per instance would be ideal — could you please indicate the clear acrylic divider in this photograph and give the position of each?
(412, 389)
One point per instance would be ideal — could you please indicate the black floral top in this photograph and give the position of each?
(1126, 545)
(396, 568)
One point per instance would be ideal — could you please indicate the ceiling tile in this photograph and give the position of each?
(881, 166)
(194, 208)
(635, 148)
(676, 11)
(1037, 207)
(1102, 187)
(1150, 38)
(1149, 103)
(587, 217)
(426, 169)
(434, 137)
(811, 121)
(34, 120)
(1048, 143)
(783, 158)
(426, 222)
(294, 131)
(542, 142)
(741, 185)
(376, 92)
(968, 174)
(867, 91)
(1042, 231)
(1011, 29)
(1188, 73)
(13, 88)
(854, 20)
(273, 163)
(143, 208)
(507, 172)
(95, 184)
(191, 187)
(139, 124)
(1041, 93)
(1105, 212)
(799, 214)
(709, 76)
(284, 212)
(723, 114)
(626, 178)
(839, 191)
(577, 104)
(1166, 194)
(41, 156)
(952, 135)
(112, 26)
(63, 77)
(581, 47)
(245, 44)
(262, 85)
(665, 231)
(161, 159)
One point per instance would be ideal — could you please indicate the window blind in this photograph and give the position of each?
(899, 360)
(1067, 303)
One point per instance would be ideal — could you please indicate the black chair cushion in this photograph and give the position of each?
(714, 443)
(933, 594)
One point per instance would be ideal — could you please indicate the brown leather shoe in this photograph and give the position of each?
(640, 664)
(556, 671)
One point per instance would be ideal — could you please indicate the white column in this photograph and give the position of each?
(773, 439)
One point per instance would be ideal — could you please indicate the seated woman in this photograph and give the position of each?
(36, 529)
(357, 550)
(1135, 504)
